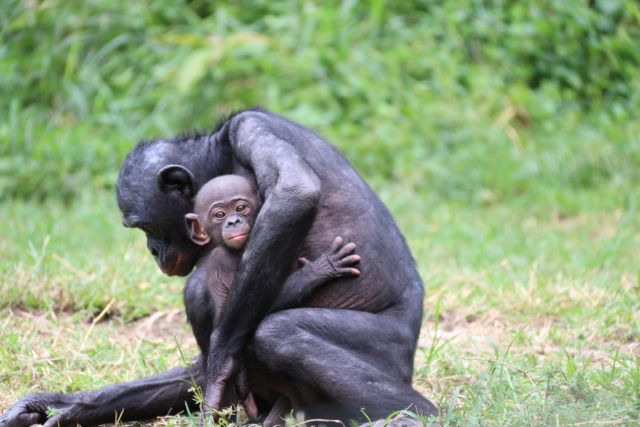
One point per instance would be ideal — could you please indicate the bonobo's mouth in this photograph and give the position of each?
(238, 237)
(236, 241)
(179, 266)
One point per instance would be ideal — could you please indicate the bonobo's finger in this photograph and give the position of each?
(279, 411)
(302, 261)
(215, 389)
(344, 271)
(349, 260)
(244, 392)
(346, 249)
(28, 419)
(242, 383)
(13, 419)
(55, 421)
(250, 406)
(20, 415)
(213, 398)
(337, 243)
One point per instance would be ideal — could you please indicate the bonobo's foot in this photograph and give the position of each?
(338, 262)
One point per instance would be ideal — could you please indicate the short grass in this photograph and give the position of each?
(531, 315)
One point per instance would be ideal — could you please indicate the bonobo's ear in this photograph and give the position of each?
(195, 229)
(176, 179)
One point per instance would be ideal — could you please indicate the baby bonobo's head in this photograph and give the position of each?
(225, 209)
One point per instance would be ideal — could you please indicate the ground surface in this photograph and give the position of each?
(520, 328)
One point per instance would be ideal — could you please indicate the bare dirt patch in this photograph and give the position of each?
(155, 327)
(159, 326)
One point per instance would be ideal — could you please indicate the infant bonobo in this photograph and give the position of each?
(225, 209)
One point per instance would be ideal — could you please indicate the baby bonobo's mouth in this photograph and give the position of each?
(237, 241)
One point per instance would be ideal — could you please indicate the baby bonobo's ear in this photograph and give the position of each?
(196, 230)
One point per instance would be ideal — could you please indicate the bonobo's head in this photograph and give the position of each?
(225, 210)
(156, 186)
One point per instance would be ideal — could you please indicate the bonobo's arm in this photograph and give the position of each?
(291, 192)
(145, 398)
(338, 262)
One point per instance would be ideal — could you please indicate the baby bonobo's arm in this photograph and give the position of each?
(340, 261)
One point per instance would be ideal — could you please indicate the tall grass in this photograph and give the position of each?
(437, 95)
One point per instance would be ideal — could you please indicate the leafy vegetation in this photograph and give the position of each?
(503, 135)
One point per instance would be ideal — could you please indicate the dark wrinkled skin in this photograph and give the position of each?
(350, 349)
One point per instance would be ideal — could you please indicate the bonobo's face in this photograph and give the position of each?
(225, 210)
(229, 221)
(154, 197)
(167, 241)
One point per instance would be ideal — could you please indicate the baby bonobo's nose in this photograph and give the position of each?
(233, 221)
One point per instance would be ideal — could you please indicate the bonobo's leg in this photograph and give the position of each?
(363, 361)
(146, 398)
(339, 261)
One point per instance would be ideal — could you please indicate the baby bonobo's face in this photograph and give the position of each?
(225, 210)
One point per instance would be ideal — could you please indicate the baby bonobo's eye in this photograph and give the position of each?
(241, 207)
(218, 214)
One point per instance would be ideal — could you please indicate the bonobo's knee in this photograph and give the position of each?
(270, 332)
(275, 340)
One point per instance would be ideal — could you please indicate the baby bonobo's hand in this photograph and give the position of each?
(338, 262)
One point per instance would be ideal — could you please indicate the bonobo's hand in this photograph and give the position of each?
(245, 395)
(233, 375)
(338, 262)
(32, 409)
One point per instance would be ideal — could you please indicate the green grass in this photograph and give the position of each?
(537, 312)
(504, 137)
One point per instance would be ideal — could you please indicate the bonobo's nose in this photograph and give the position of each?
(233, 221)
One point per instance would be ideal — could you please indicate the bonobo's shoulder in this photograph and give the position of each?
(257, 120)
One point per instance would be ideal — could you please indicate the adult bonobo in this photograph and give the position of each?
(350, 350)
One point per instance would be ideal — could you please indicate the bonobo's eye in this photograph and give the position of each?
(241, 207)
(219, 214)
